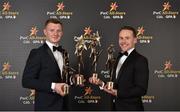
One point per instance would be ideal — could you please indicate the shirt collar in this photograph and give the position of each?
(130, 50)
(50, 45)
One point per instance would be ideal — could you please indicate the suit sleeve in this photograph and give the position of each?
(140, 82)
(31, 73)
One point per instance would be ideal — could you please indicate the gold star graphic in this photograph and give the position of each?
(167, 65)
(140, 31)
(87, 31)
(166, 6)
(113, 6)
(6, 66)
(33, 31)
(6, 6)
(88, 90)
(60, 6)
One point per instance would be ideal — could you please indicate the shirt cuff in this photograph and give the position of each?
(53, 86)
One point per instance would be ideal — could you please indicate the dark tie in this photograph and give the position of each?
(124, 53)
(59, 48)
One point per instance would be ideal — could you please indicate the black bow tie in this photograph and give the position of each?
(59, 48)
(124, 53)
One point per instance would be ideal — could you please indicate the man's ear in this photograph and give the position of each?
(135, 40)
(44, 31)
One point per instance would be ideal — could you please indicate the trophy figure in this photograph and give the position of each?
(93, 40)
(110, 65)
(80, 47)
(94, 54)
(66, 72)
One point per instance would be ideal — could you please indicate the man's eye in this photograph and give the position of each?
(59, 31)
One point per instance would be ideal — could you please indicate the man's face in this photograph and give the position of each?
(53, 32)
(126, 40)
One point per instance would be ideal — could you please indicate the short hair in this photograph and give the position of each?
(51, 20)
(129, 28)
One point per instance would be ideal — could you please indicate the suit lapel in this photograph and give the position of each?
(48, 50)
(126, 63)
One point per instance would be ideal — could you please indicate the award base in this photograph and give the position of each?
(78, 80)
(110, 85)
(66, 89)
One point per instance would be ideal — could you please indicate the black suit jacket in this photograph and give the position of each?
(40, 71)
(132, 82)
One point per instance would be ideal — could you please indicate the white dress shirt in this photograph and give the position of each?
(121, 61)
(59, 59)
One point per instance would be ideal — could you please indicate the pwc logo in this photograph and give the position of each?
(168, 71)
(166, 11)
(32, 37)
(7, 13)
(142, 37)
(60, 12)
(113, 12)
(7, 73)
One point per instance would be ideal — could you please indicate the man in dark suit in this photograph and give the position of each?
(44, 67)
(130, 76)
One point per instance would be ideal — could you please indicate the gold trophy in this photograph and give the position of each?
(110, 65)
(94, 41)
(78, 79)
(66, 72)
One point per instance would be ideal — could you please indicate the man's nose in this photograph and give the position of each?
(122, 41)
(56, 33)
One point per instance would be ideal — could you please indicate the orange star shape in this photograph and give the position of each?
(167, 65)
(87, 31)
(166, 6)
(60, 6)
(6, 6)
(88, 90)
(6, 66)
(140, 31)
(113, 6)
(33, 31)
